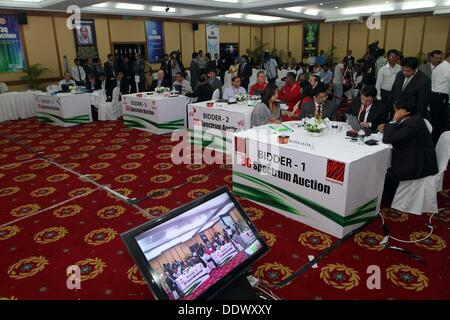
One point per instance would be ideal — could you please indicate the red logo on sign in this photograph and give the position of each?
(128, 108)
(335, 170)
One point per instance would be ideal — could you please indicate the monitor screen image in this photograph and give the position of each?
(206, 242)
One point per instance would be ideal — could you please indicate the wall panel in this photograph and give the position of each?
(413, 36)
(394, 34)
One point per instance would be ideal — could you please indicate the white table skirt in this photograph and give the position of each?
(17, 105)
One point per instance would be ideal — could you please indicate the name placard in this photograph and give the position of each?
(301, 143)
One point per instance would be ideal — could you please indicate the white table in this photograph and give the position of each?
(213, 127)
(17, 105)
(192, 278)
(63, 109)
(223, 254)
(154, 113)
(248, 237)
(326, 182)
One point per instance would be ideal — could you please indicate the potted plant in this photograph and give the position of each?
(33, 73)
(316, 126)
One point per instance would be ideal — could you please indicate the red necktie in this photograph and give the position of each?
(362, 114)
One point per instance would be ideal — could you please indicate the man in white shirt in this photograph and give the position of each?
(65, 83)
(436, 57)
(235, 89)
(338, 84)
(181, 85)
(78, 73)
(386, 75)
(311, 60)
(440, 90)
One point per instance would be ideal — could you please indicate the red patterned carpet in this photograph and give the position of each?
(51, 219)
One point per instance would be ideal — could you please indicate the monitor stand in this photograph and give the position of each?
(239, 289)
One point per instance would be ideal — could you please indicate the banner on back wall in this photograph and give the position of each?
(85, 40)
(11, 49)
(155, 47)
(212, 39)
(310, 38)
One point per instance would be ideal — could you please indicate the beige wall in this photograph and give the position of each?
(409, 34)
(296, 40)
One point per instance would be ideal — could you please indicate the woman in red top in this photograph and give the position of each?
(306, 97)
(260, 84)
(291, 92)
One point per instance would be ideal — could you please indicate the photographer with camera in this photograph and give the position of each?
(176, 65)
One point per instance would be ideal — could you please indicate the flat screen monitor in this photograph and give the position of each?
(196, 250)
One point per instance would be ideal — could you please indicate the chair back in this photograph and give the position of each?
(216, 94)
(116, 94)
(3, 87)
(429, 126)
(443, 151)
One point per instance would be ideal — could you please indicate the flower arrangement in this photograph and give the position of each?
(240, 97)
(316, 125)
(160, 89)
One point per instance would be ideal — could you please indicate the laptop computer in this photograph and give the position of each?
(354, 123)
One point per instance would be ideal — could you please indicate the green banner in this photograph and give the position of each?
(12, 58)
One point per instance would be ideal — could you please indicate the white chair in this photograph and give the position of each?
(429, 126)
(216, 95)
(3, 87)
(443, 155)
(227, 79)
(110, 110)
(418, 196)
(52, 88)
(155, 75)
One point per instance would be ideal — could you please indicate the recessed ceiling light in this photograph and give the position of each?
(229, 1)
(367, 9)
(162, 9)
(386, 2)
(321, 4)
(258, 17)
(418, 5)
(312, 12)
(336, 7)
(129, 6)
(234, 15)
(100, 5)
(295, 9)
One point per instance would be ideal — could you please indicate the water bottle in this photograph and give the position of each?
(334, 128)
(361, 135)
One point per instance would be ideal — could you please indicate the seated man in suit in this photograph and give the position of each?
(161, 81)
(91, 83)
(203, 91)
(214, 82)
(369, 111)
(410, 82)
(320, 106)
(413, 153)
(65, 83)
(122, 83)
